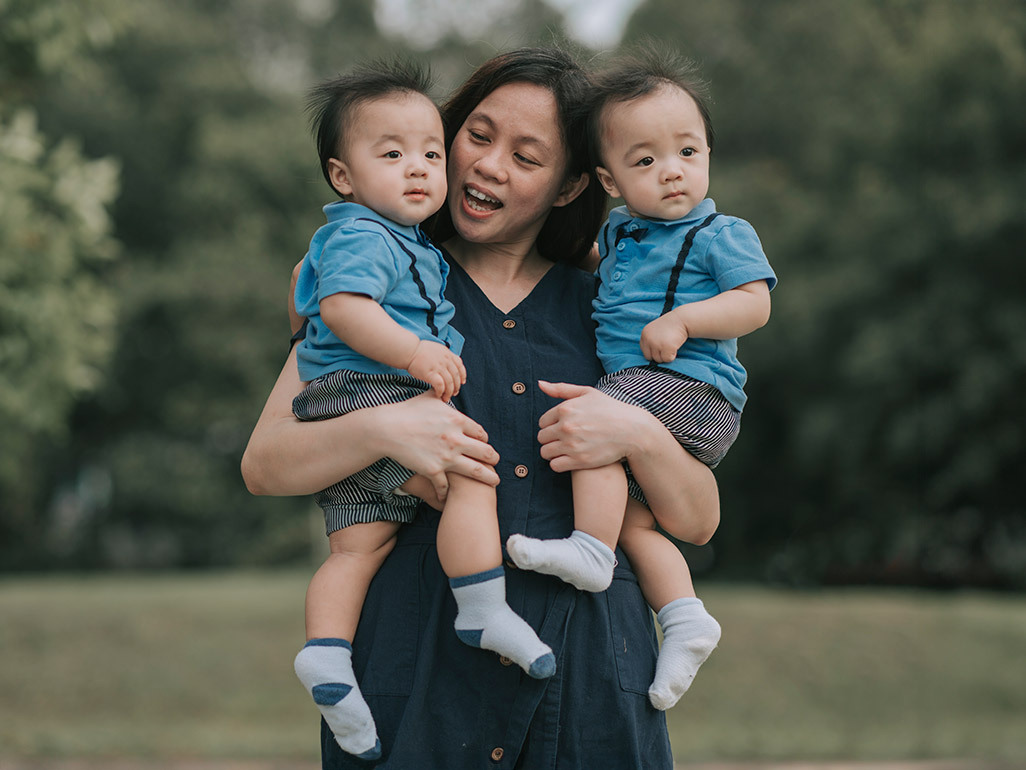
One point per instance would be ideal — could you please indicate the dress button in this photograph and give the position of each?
(620, 246)
(520, 471)
(497, 753)
(509, 323)
(616, 275)
(505, 661)
(519, 387)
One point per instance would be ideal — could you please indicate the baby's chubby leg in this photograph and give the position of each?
(690, 633)
(585, 559)
(470, 553)
(334, 601)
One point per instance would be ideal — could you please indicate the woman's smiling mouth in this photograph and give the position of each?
(478, 201)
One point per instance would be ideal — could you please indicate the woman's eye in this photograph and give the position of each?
(393, 154)
(477, 137)
(524, 159)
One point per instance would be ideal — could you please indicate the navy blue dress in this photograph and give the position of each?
(440, 704)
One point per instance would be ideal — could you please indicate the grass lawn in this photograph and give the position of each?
(200, 665)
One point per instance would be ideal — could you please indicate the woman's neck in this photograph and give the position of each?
(506, 275)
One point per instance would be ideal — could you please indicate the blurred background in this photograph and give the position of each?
(158, 182)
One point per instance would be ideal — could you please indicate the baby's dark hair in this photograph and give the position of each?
(333, 103)
(638, 74)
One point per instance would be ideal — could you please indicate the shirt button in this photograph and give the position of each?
(505, 661)
(616, 275)
(509, 323)
(620, 246)
(633, 226)
(520, 471)
(497, 753)
(519, 387)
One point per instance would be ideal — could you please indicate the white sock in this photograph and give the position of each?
(485, 620)
(581, 560)
(325, 667)
(689, 635)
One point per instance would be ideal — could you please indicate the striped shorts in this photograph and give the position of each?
(696, 413)
(368, 495)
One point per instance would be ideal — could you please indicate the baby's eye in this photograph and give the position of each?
(687, 152)
(646, 161)
(393, 154)
(432, 155)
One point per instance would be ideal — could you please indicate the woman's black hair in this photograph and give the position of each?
(569, 231)
(332, 104)
(638, 74)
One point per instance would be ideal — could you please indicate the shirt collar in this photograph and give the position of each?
(348, 210)
(621, 216)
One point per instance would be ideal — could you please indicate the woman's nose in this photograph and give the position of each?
(490, 165)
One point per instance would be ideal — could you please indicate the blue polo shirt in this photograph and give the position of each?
(651, 266)
(361, 252)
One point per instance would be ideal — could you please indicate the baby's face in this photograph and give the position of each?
(655, 154)
(394, 159)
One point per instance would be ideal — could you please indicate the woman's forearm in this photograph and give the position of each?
(288, 457)
(590, 429)
(681, 490)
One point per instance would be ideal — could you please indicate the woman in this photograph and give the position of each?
(522, 211)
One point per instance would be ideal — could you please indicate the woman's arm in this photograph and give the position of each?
(288, 457)
(590, 429)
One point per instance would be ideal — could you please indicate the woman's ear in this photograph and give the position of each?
(338, 172)
(573, 187)
(606, 180)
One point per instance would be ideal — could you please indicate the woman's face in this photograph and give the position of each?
(507, 167)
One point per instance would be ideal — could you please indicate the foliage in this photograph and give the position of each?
(878, 148)
(56, 313)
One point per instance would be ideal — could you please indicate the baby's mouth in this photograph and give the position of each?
(478, 201)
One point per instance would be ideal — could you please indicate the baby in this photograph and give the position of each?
(372, 288)
(680, 283)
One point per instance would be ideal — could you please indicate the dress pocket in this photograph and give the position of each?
(633, 635)
(385, 649)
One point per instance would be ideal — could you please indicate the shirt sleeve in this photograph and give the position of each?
(736, 257)
(356, 261)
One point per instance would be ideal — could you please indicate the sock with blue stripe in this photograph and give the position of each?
(325, 667)
(485, 620)
(581, 560)
(690, 634)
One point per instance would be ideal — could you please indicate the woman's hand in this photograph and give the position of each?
(590, 429)
(288, 457)
(433, 439)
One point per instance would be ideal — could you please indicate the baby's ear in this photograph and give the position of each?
(606, 180)
(338, 172)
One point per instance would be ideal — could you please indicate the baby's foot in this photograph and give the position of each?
(581, 560)
(690, 634)
(485, 620)
(325, 668)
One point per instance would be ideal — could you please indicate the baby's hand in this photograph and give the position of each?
(662, 338)
(439, 367)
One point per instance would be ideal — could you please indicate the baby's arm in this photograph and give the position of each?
(364, 325)
(733, 313)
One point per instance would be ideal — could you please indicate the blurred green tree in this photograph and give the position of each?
(878, 147)
(56, 312)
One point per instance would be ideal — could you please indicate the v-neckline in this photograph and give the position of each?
(455, 265)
